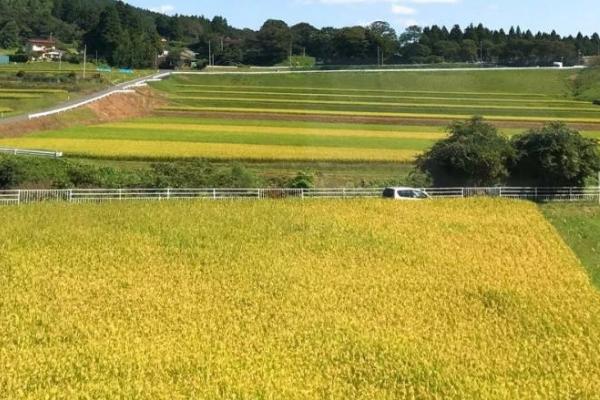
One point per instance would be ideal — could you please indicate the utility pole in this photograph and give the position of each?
(481, 45)
(378, 56)
(290, 54)
(599, 187)
(209, 53)
(84, 60)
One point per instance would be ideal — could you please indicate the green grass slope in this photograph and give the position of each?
(579, 225)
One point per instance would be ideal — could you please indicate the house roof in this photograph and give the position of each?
(42, 41)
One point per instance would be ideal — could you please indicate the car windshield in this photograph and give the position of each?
(406, 193)
(388, 193)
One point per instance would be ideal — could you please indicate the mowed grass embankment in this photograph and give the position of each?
(523, 95)
(163, 137)
(321, 299)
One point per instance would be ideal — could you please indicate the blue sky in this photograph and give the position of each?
(565, 16)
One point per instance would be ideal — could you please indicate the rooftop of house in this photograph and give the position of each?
(42, 42)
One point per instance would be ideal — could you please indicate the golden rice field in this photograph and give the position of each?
(366, 299)
(165, 137)
(172, 150)
(449, 117)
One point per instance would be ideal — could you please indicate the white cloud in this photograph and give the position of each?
(383, 1)
(164, 9)
(434, 1)
(400, 9)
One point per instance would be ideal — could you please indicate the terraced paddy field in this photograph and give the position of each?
(16, 101)
(464, 299)
(35, 86)
(243, 140)
(520, 96)
(220, 139)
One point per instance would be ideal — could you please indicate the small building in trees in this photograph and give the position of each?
(43, 50)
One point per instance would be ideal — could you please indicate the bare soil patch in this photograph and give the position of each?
(110, 109)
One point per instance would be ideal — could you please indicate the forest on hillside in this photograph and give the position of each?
(123, 35)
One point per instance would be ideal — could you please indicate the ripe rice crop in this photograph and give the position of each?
(304, 111)
(535, 102)
(427, 105)
(465, 299)
(379, 103)
(147, 149)
(266, 130)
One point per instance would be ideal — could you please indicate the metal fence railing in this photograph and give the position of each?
(28, 196)
(25, 152)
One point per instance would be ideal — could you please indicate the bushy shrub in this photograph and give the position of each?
(11, 173)
(475, 154)
(303, 180)
(554, 156)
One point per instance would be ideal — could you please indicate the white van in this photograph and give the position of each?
(405, 193)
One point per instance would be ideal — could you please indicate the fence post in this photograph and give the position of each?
(302, 194)
(19, 197)
(214, 194)
(70, 195)
(570, 194)
(462, 191)
(168, 194)
(120, 194)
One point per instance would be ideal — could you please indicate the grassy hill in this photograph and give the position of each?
(217, 300)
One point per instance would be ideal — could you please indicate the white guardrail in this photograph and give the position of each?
(28, 196)
(80, 104)
(25, 152)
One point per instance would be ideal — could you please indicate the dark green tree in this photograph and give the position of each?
(554, 156)
(107, 37)
(9, 35)
(475, 154)
(275, 41)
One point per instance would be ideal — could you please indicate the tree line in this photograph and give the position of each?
(123, 35)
